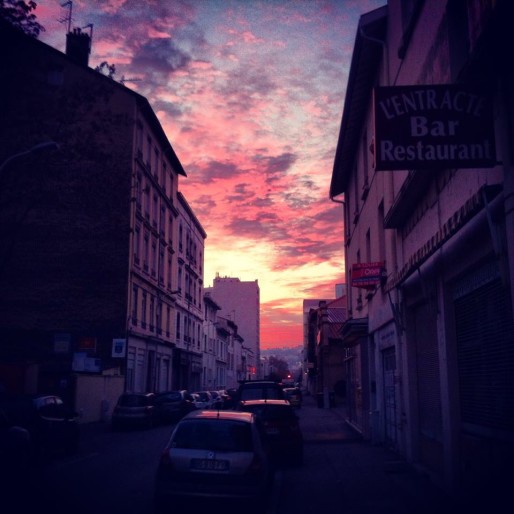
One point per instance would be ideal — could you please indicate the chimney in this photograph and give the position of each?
(78, 47)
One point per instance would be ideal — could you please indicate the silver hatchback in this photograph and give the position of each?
(215, 455)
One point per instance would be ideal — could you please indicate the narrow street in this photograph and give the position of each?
(113, 472)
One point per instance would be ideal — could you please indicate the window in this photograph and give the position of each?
(169, 271)
(162, 221)
(155, 210)
(139, 139)
(152, 312)
(178, 326)
(135, 299)
(170, 230)
(164, 175)
(356, 194)
(158, 318)
(168, 320)
(368, 245)
(161, 264)
(154, 256)
(137, 237)
(143, 309)
(156, 161)
(139, 192)
(146, 250)
(365, 164)
(458, 36)
(149, 152)
(147, 200)
(381, 232)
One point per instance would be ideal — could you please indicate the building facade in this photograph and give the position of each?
(189, 299)
(240, 302)
(90, 234)
(325, 351)
(429, 239)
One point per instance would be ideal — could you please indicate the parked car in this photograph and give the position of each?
(134, 410)
(53, 427)
(216, 400)
(171, 406)
(282, 427)
(293, 396)
(230, 401)
(204, 400)
(215, 456)
(15, 447)
(259, 390)
(224, 396)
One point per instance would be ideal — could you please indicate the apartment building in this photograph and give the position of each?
(89, 231)
(429, 241)
(189, 299)
(240, 302)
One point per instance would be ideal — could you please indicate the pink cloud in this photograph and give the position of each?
(250, 96)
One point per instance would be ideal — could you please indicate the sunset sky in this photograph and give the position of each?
(250, 94)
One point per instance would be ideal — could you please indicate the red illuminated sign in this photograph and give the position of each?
(368, 274)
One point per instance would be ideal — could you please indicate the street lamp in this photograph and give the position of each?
(47, 145)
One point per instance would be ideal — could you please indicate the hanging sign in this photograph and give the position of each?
(368, 274)
(437, 126)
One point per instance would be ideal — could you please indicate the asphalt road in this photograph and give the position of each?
(113, 473)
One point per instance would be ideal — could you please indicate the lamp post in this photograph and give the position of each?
(47, 145)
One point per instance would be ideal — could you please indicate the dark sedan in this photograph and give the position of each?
(282, 427)
(171, 406)
(134, 410)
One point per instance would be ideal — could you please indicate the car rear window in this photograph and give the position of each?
(215, 435)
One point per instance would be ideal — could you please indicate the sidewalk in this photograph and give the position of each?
(325, 424)
(363, 478)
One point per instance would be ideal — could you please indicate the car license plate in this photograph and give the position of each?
(209, 464)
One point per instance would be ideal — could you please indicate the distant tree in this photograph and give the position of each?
(280, 368)
(106, 69)
(18, 13)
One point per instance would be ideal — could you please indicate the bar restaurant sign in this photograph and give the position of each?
(437, 126)
(368, 275)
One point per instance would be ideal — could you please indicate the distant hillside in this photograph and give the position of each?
(293, 356)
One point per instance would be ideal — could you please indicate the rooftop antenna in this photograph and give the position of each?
(68, 17)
